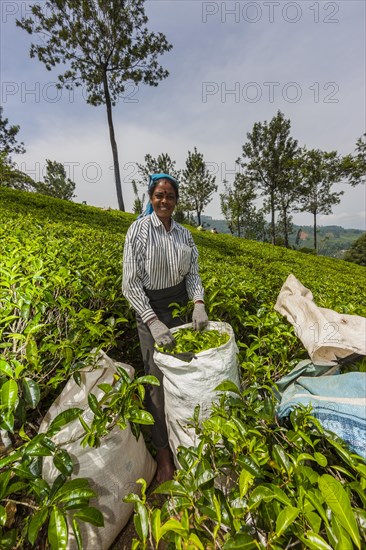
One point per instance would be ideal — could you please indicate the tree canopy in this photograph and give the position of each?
(104, 44)
(266, 158)
(56, 183)
(10, 176)
(237, 207)
(8, 136)
(357, 252)
(198, 184)
(320, 170)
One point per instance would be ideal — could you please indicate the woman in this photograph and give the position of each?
(160, 266)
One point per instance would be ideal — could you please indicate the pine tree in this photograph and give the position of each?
(105, 44)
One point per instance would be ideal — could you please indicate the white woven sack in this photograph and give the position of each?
(112, 468)
(325, 334)
(187, 384)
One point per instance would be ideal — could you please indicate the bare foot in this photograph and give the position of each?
(165, 469)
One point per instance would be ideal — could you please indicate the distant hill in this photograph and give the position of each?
(333, 240)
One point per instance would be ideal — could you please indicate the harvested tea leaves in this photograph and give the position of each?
(192, 341)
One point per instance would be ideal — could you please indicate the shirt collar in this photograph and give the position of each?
(157, 223)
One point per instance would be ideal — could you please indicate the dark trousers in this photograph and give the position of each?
(159, 301)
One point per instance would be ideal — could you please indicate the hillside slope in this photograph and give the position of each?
(60, 297)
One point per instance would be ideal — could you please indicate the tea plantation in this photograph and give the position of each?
(252, 482)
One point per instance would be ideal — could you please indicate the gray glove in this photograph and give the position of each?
(161, 334)
(199, 317)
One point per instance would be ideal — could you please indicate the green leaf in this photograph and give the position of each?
(32, 392)
(171, 487)
(62, 419)
(7, 422)
(172, 525)
(337, 500)
(57, 483)
(344, 541)
(315, 541)
(63, 462)
(106, 388)
(156, 524)
(141, 521)
(228, 386)
(57, 530)
(280, 495)
(12, 457)
(321, 459)
(280, 456)
(93, 404)
(248, 464)
(77, 534)
(148, 379)
(36, 523)
(9, 395)
(31, 352)
(258, 494)
(6, 368)
(245, 481)
(240, 541)
(204, 477)
(91, 515)
(2, 515)
(285, 518)
(193, 538)
(40, 445)
(314, 498)
(314, 521)
(140, 416)
(4, 480)
(75, 488)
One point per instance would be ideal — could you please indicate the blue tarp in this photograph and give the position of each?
(338, 400)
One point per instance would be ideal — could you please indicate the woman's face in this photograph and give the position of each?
(164, 199)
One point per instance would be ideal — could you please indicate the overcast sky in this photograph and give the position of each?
(232, 64)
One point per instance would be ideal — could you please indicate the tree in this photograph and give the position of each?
(236, 202)
(56, 184)
(11, 177)
(284, 227)
(138, 204)
(287, 196)
(162, 164)
(357, 252)
(165, 165)
(266, 157)
(105, 44)
(320, 170)
(354, 166)
(198, 184)
(8, 141)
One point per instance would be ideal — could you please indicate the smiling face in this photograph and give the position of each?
(163, 200)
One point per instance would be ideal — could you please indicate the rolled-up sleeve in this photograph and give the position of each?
(193, 280)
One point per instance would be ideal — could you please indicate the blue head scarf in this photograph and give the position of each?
(153, 178)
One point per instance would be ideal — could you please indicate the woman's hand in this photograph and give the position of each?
(161, 333)
(199, 317)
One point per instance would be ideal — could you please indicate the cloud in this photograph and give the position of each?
(232, 64)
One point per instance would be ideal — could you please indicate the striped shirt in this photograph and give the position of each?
(154, 258)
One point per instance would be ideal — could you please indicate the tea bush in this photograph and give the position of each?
(252, 482)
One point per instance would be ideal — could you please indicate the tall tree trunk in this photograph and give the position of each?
(238, 224)
(285, 227)
(199, 217)
(315, 241)
(117, 174)
(273, 230)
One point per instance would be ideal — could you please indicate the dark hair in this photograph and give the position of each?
(155, 183)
